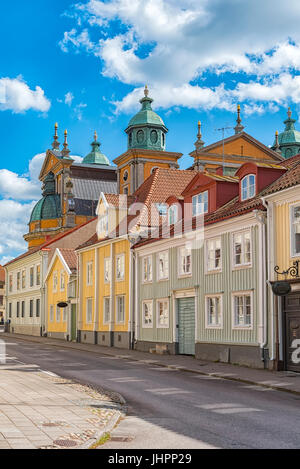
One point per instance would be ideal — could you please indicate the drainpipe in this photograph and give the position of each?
(264, 317)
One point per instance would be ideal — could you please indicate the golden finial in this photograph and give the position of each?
(66, 150)
(56, 125)
(239, 127)
(238, 107)
(55, 144)
(95, 136)
(146, 91)
(276, 133)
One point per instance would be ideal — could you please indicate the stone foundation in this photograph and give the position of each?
(33, 330)
(58, 335)
(144, 346)
(243, 355)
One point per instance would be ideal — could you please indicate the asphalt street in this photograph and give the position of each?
(174, 409)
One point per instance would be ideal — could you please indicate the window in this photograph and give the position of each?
(147, 269)
(295, 230)
(23, 279)
(248, 187)
(23, 309)
(10, 283)
(107, 270)
(62, 280)
(89, 310)
(18, 281)
(103, 224)
(147, 313)
(10, 310)
(120, 267)
(55, 281)
(162, 313)
(51, 313)
(31, 308)
(125, 190)
(242, 310)
(57, 314)
(242, 248)
(65, 314)
(213, 253)
(200, 203)
(185, 261)
(38, 274)
(31, 276)
(162, 209)
(89, 273)
(163, 265)
(120, 309)
(173, 214)
(106, 308)
(38, 308)
(214, 311)
(18, 310)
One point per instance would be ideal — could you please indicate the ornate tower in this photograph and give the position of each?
(146, 150)
(288, 141)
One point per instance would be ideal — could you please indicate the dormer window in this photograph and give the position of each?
(200, 203)
(173, 214)
(248, 187)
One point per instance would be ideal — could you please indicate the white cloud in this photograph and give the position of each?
(16, 96)
(185, 39)
(69, 97)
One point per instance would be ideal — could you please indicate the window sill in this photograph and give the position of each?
(213, 271)
(242, 266)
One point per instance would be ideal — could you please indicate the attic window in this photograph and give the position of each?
(173, 214)
(200, 203)
(162, 209)
(248, 187)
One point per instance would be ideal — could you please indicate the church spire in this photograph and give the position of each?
(66, 150)
(199, 144)
(55, 144)
(239, 127)
(277, 146)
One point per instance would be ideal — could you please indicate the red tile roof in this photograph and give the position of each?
(2, 274)
(70, 257)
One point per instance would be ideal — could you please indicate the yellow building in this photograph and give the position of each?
(60, 283)
(282, 200)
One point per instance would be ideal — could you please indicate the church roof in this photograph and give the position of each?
(49, 207)
(146, 116)
(96, 156)
(290, 135)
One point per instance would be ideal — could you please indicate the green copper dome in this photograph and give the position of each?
(96, 157)
(49, 206)
(288, 141)
(146, 129)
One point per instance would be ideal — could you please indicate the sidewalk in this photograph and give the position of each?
(279, 380)
(43, 411)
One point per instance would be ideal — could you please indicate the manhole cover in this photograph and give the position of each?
(53, 424)
(121, 438)
(66, 443)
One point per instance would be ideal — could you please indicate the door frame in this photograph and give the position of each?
(284, 330)
(177, 294)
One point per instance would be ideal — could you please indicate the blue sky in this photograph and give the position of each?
(84, 65)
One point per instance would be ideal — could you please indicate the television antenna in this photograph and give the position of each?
(223, 129)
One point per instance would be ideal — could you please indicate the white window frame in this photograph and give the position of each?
(147, 325)
(51, 313)
(249, 194)
(89, 314)
(240, 326)
(62, 277)
(31, 269)
(58, 314)
(19, 281)
(55, 281)
(243, 264)
(149, 278)
(199, 205)
(23, 277)
(89, 274)
(292, 230)
(10, 283)
(187, 251)
(166, 276)
(208, 269)
(207, 324)
(122, 258)
(172, 214)
(158, 324)
(107, 269)
(65, 314)
(105, 320)
(38, 275)
(117, 309)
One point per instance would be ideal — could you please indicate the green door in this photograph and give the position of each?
(186, 326)
(73, 323)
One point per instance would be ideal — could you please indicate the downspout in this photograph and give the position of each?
(261, 219)
(273, 311)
